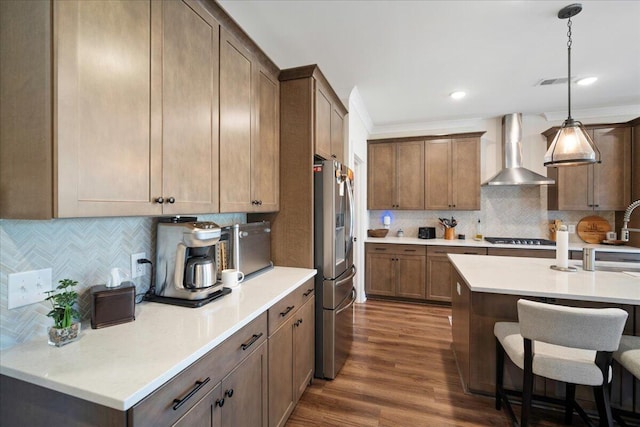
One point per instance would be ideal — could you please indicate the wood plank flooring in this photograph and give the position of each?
(402, 372)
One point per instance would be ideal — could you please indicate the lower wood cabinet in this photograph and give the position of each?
(439, 270)
(530, 253)
(395, 270)
(291, 352)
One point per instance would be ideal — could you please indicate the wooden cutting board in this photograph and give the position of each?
(593, 229)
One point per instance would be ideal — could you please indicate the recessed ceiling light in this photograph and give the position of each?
(458, 94)
(587, 81)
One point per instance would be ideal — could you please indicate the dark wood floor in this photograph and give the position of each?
(401, 372)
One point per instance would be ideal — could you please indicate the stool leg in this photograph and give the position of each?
(527, 386)
(570, 397)
(499, 374)
(604, 409)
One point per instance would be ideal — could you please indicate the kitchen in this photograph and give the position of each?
(504, 211)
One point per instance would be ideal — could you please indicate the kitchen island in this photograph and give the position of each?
(112, 370)
(486, 290)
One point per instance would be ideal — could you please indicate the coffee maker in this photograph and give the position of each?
(186, 263)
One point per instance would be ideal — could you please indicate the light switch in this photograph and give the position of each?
(28, 287)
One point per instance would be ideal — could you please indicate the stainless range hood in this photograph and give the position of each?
(512, 172)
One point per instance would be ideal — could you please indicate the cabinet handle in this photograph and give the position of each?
(196, 388)
(229, 392)
(171, 200)
(334, 156)
(260, 202)
(252, 340)
(409, 250)
(284, 313)
(471, 253)
(298, 322)
(380, 249)
(220, 402)
(159, 200)
(306, 294)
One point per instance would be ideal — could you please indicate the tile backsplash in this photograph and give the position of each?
(505, 211)
(82, 249)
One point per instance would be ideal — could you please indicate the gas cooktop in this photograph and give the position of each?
(520, 241)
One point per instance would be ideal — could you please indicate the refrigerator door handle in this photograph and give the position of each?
(354, 295)
(351, 217)
(351, 275)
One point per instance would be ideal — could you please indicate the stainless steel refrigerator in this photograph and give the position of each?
(333, 258)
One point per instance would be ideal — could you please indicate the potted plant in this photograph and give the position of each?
(63, 299)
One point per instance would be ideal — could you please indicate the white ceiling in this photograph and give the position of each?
(406, 57)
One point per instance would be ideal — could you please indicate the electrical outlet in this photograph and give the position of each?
(28, 287)
(571, 228)
(138, 270)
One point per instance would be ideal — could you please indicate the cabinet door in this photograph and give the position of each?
(575, 188)
(438, 278)
(245, 392)
(205, 413)
(612, 177)
(236, 123)
(337, 135)
(410, 271)
(323, 122)
(465, 173)
(189, 110)
(281, 382)
(380, 276)
(438, 174)
(303, 347)
(265, 146)
(410, 175)
(105, 149)
(381, 176)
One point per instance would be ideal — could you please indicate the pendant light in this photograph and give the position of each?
(572, 145)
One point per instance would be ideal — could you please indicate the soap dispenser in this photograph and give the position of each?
(478, 235)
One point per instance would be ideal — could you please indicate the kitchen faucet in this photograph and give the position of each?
(627, 214)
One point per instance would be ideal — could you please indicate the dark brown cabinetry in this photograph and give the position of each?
(329, 124)
(439, 270)
(452, 173)
(396, 171)
(291, 351)
(425, 172)
(601, 186)
(300, 130)
(395, 270)
(249, 137)
(530, 253)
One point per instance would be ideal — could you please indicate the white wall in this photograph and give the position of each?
(359, 126)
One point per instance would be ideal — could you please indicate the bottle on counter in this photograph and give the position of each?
(478, 235)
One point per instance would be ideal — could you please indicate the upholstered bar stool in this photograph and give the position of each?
(568, 344)
(628, 356)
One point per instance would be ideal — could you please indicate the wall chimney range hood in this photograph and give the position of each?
(512, 172)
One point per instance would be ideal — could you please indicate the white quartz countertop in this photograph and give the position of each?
(484, 244)
(120, 365)
(533, 277)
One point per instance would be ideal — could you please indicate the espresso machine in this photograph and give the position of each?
(186, 263)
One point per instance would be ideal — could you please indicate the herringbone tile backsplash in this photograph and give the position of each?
(508, 211)
(80, 249)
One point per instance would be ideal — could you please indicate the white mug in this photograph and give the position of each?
(232, 278)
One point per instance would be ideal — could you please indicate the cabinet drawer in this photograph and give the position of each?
(197, 380)
(609, 256)
(286, 307)
(531, 253)
(396, 249)
(443, 250)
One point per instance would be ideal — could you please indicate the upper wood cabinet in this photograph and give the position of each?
(327, 110)
(600, 186)
(248, 131)
(425, 172)
(112, 109)
(452, 173)
(396, 175)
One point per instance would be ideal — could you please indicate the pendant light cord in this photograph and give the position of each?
(569, 42)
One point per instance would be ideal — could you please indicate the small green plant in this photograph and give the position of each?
(62, 299)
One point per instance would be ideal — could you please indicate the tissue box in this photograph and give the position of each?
(112, 306)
